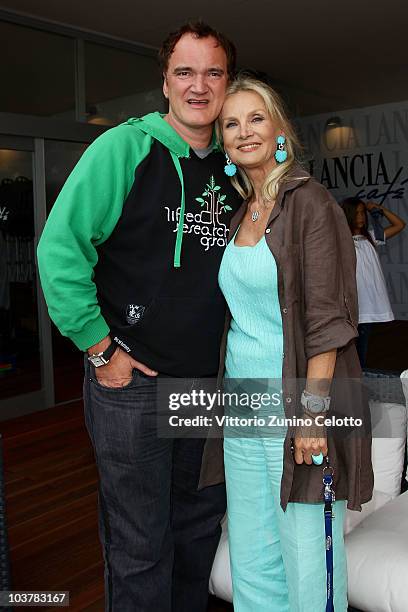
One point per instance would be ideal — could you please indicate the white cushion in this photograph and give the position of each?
(388, 452)
(353, 518)
(220, 579)
(404, 382)
(377, 558)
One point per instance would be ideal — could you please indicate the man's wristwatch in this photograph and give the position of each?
(314, 404)
(101, 359)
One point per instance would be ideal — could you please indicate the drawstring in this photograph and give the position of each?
(179, 237)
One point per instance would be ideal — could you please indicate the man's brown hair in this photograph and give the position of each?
(199, 29)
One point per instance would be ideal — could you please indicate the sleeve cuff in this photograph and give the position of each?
(92, 334)
(329, 337)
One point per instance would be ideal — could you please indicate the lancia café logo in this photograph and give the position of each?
(134, 313)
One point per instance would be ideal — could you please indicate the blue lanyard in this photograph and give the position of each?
(329, 499)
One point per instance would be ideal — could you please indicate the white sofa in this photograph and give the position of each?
(376, 538)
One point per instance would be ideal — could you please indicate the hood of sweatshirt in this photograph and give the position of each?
(157, 127)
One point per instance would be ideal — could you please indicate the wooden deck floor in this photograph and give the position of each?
(51, 484)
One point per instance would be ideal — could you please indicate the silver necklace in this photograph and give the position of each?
(255, 214)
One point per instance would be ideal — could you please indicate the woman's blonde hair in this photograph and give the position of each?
(275, 107)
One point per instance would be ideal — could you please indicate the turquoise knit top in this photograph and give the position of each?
(249, 281)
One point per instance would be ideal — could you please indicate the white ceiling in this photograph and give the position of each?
(324, 56)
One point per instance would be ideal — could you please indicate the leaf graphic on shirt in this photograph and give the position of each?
(214, 203)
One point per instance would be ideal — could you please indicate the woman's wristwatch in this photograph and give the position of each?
(101, 359)
(314, 404)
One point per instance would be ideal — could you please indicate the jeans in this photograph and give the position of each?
(159, 533)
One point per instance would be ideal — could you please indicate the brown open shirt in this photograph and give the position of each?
(310, 240)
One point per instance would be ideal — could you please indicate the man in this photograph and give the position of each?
(129, 261)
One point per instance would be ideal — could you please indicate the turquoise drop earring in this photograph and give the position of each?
(230, 169)
(281, 154)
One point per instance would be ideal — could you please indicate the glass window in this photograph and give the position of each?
(60, 159)
(19, 330)
(120, 84)
(37, 72)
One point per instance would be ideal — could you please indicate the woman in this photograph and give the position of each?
(287, 275)
(373, 302)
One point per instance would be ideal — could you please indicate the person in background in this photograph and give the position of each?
(373, 302)
(287, 269)
(129, 261)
